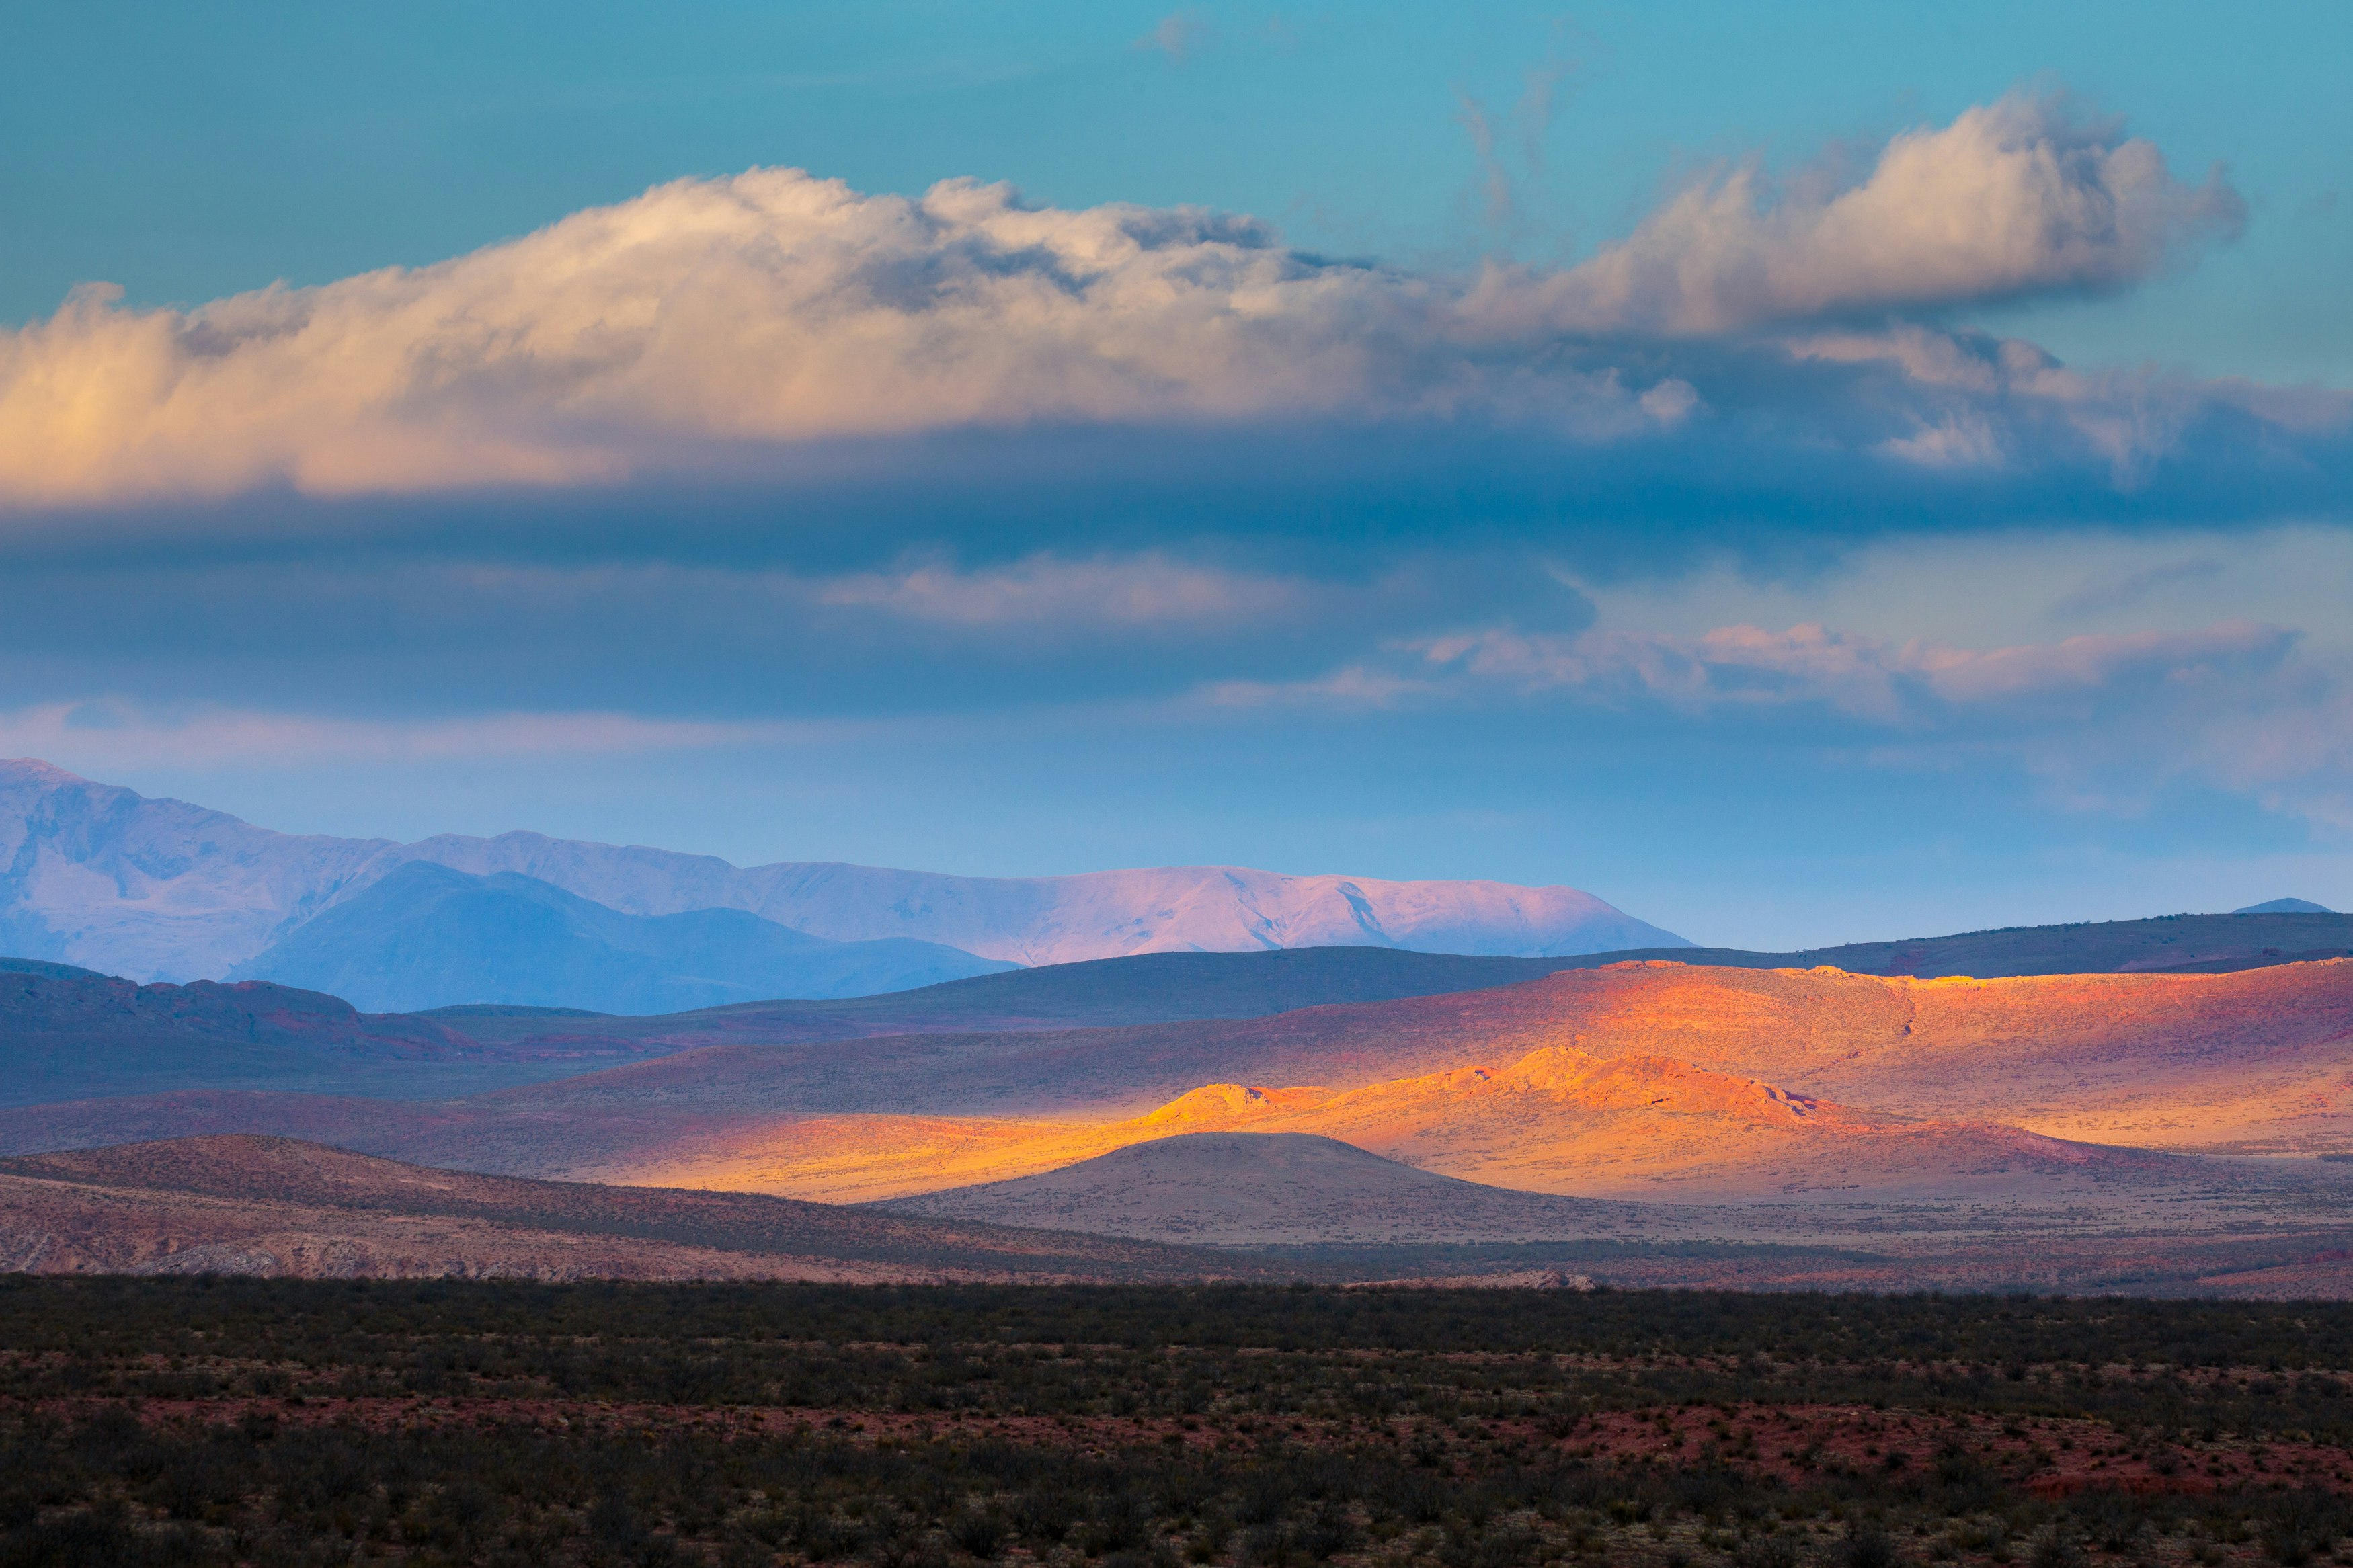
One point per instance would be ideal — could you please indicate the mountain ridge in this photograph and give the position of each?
(101, 877)
(427, 937)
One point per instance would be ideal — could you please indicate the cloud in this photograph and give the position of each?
(2122, 591)
(1530, 121)
(1355, 687)
(1494, 180)
(114, 732)
(1150, 590)
(1911, 684)
(2012, 198)
(752, 324)
(1180, 35)
(768, 308)
(2106, 724)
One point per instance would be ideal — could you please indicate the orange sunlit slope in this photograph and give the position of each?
(1558, 1119)
(2178, 1060)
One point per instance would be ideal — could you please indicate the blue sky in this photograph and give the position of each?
(1577, 446)
(190, 155)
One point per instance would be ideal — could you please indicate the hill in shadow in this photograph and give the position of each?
(275, 1206)
(2254, 938)
(1241, 1189)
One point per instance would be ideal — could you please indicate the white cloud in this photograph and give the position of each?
(771, 306)
(2011, 198)
(708, 321)
(1965, 439)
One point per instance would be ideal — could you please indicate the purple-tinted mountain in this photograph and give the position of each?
(101, 877)
(427, 936)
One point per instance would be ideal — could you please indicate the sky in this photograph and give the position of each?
(1804, 474)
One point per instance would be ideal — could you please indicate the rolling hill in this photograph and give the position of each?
(1146, 988)
(66, 1032)
(269, 1205)
(2249, 1061)
(2256, 938)
(1555, 1121)
(475, 1048)
(1223, 1189)
(2156, 1058)
(71, 1034)
(1544, 1084)
(1178, 987)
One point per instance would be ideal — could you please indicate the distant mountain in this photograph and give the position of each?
(427, 936)
(98, 876)
(2286, 907)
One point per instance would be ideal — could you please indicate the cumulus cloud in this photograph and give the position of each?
(711, 322)
(771, 306)
(2012, 198)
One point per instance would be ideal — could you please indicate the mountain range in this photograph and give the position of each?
(426, 936)
(98, 876)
